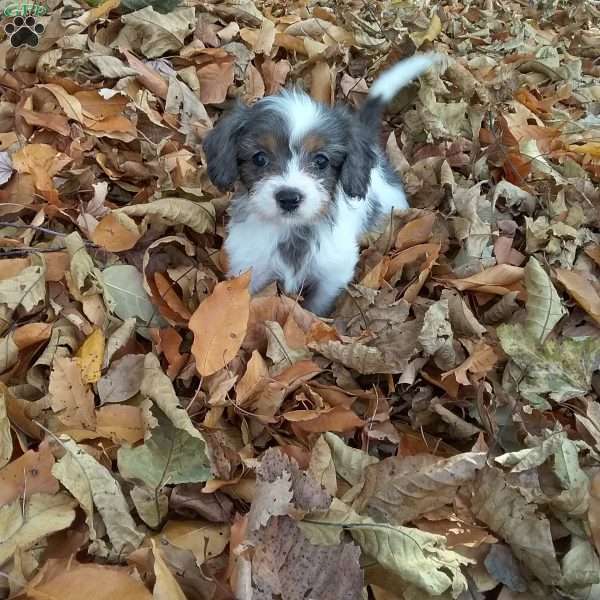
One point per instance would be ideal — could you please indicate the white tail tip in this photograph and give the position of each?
(388, 84)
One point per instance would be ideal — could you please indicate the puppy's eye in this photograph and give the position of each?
(260, 159)
(321, 161)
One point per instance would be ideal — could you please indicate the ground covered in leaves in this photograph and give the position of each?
(164, 435)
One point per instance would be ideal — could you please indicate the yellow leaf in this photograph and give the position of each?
(434, 29)
(90, 356)
(591, 148)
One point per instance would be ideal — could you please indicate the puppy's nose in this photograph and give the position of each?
(289, 199)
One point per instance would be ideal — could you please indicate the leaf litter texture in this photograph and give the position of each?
(437, 437)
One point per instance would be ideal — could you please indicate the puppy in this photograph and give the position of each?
(311, 181)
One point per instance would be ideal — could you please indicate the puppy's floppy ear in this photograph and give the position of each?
(220, 148)
(360, 159)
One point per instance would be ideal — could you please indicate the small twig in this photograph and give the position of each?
(34, 227)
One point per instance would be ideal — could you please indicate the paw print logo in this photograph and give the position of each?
(24, 32)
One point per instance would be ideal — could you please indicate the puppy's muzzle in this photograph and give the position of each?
(289, 199)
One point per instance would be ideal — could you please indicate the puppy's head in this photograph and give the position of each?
(290, 156)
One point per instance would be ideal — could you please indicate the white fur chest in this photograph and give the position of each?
(271, 252)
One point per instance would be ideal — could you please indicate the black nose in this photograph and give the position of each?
(289, 199)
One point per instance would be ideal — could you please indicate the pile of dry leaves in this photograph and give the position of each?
(164, 435)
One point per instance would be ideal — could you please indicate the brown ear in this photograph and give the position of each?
(220, 148)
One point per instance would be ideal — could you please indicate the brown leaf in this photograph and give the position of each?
(69, 580)
(499, 280)
(42, 162)
(172, 306)
(593, 251)
(29, 474)
(401, 488)
(215, 79)
(116, 232)
(220, 323)
(479, 364)
(286, 565)
(70, 398)
(266, 38)
(417, 231)
(275, 75)
(191, 501)
(273, 308)
(427, 254)
(338, 418)
(121, 423)
(582, 290)
(253, 380)
(31, 334)
(321, 87)
(169, 342)
(147, 75)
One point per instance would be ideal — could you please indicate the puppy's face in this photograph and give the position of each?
(290, 155)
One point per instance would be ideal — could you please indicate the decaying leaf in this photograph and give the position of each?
(418, 558)
(169, 456)
(544, 308)
(198, 216)
(125, 294)
(559, 370)
(22, 524)
(509, 515)
(400, 489)
(95, 488)
(69, 580)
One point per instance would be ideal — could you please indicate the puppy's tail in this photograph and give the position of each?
(388, 84)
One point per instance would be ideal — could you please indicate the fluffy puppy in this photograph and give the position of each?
(311, 180)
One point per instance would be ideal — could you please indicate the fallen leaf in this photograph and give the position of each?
(166, 586)
(155, 33)
(116, 232)
(508, 515)
(70, 397)
(481, 361)
(42, 162)
(417, 231)
(582, 291)
(31, 473)
(94, 487)
(121, 423)
(321, 88)
(198, 216)
(544, 308)
(31, 334)
(399, 489)
(337, 418)
(125, 295)
(123, 380)
(219, 325)
(168, 456)
(204, 540)
(24, 522)
(70, 580)
(28, 289)
(90, 357)
(416, 557)
(6, 444)
(499, 280)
